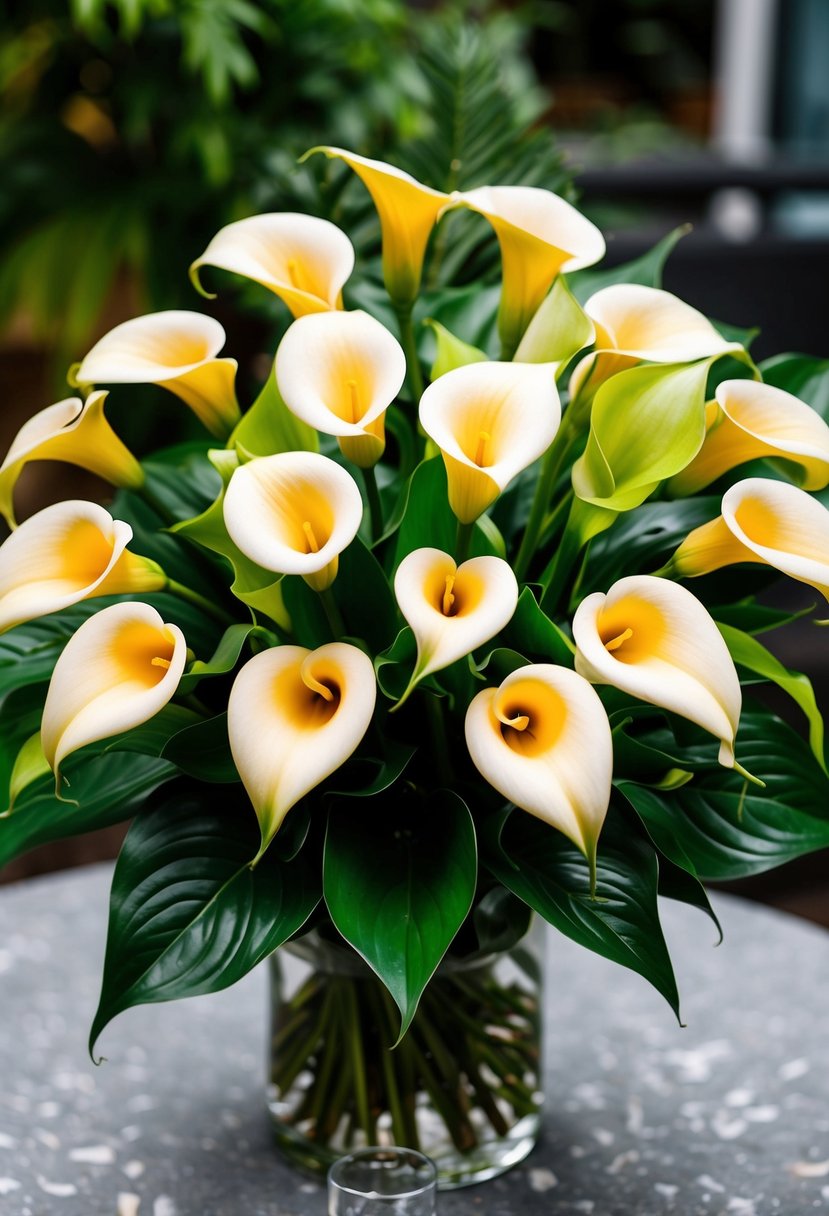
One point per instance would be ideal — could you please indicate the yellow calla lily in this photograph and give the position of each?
(765, 521)
(300, 258)
(73, 431)
(655, 640)
(540, 235)
(293, 513)
(116, 671)
(750, 420)
(176, 350)
(69, 552)
(542, 740)
(408, 212)
(452, 609)
(293, 717)
(490, 421)
(339, 372)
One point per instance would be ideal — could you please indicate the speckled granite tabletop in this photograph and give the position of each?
(729, 1117)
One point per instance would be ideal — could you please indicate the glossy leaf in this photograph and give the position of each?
(451, 352)
(558, 331)
(532, 633)
(226, 655)
(269, 427)
(428, 519)
(202, 750)
(641, 541)
(803, 376)
(646, 269)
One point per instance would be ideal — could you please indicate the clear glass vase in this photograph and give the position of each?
(464, 1086)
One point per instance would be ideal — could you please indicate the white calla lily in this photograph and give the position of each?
(176, 350)
(490, 421)
(300, 258)
(119, 669)
(339, 372)
(542, 740)
(655, 640)
(452, 609)
(293, 717)
(65, 553)
(293, 513)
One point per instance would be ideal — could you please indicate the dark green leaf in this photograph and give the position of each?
(532, 633)
(203, 751)
(646, 269)
(803, 376)
(641, 541)
(428, 520)
(675, 882)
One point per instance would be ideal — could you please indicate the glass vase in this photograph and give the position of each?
(464, 1086)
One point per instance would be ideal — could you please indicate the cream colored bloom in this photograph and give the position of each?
(69, 552)
(654, 640)
(749, 420)
(542, 740)
(302, 259)
(118, 670)
(339, 372)
(73, 431)
(176, 350)
(452, 609)
(293, 513)
(490, 421)
(293, 717)
(408, 212)
(540, 235)
(765, 521)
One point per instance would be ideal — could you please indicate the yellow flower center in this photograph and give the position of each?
(448, 597)
(631, 629)
(85, 554)
(451, 592)
(308, 693)
(142, 653)
(615, 643)
(531, 716)
(310, 537)
(483, 450)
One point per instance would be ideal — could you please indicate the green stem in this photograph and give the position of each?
(407, 341)
(437, 729)
(463, 541)
(200, 601)
(375, 506)
(358, 1064)
(332, 612)
(548, 476)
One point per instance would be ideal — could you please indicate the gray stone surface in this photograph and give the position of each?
(729, 1117)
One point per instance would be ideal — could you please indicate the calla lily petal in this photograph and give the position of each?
(118, 670)
(540, 235)
(408, 212)
(490, 421)
(69, 552)
(339, 372)
(542, 739)
(452, 609)
(75, 432)
(302, 259)
(750, 420)
(293, 717)
(293, 513)
(176, 350)
(655, 640)
(765, 521)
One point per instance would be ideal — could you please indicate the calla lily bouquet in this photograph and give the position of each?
(399, 664)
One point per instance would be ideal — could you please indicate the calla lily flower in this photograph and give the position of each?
(408, 212)
(490, 421)
(636, 324)
(765, 521)
(293, 513)
(655, 640)
(750, 420)
(339, 372)
(300, 258)
(176, 350)
(119, 669)
(452, 609)
(540, 235)
(542, 739)
(293, 717)
(73, 431)
(69, 552)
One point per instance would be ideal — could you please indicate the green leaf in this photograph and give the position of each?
(225, 657)
(532, 633)
(451, 352)
(376, 775)
(678, 884)
(803, 376)
(558, 331)
(269, 427)
(188, 915)
(362, 593)
(202, 750)
(646, 269)
(428, 520)
(401, 911)
(542, 867)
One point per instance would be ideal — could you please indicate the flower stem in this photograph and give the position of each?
(407, 341)
(200, 601)
(463, 540)
(548, 476)
(437, 728)
(375, 506)
(332, 612)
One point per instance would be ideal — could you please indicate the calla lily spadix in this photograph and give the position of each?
(69, 552)
(765, 521)
(118, 670)
(490, 421)
(540, 235)
(293, 513)
(339, 372)
(655, 640)
(76, 432)
(302, 259)
(749, 420)
(293, 717)
(452, 609)
(542, 739)
(408, 211)
(176, 350)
